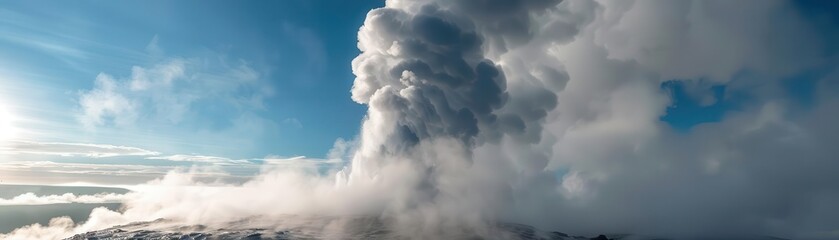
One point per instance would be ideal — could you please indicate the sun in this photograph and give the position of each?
(8, 131)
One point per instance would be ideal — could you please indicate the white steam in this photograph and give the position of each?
(549, 113)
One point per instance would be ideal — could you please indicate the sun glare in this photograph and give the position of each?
(7, 121)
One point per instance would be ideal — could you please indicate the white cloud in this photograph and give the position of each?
(153, 48)
(301, 161)
(191, 158)
(204, 103)
(34, 172)
(105, 102)
(47, 167)
(200, 159)
(73, 149)
(160, 76)
(32, 199)
(169, 90)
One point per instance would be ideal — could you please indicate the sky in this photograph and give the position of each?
(222, 79)
(439, 115)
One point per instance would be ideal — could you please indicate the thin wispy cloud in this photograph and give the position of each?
(55, 48)
(200, 159)
(293, 122)
(301, 161)
(85, 168)
(73, 149)
(48, 172)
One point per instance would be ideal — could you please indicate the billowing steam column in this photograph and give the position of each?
(429, 73)
(431, 96)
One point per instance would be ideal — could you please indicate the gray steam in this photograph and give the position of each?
(548, 113)
(434, 96)
(566, 130)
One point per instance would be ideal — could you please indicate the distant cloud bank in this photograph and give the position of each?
(32, 199)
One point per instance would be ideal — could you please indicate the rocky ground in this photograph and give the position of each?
(359, 228)
(345, 228)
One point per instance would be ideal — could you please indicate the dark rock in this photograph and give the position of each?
(601, 237)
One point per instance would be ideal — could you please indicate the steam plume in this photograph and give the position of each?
(549, 113)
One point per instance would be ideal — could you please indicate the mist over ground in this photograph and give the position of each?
(549, 113)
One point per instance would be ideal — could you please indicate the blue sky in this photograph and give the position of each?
(689, 109)
(293, 55)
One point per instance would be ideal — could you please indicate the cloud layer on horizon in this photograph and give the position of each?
(73, 149)
(32, 199)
